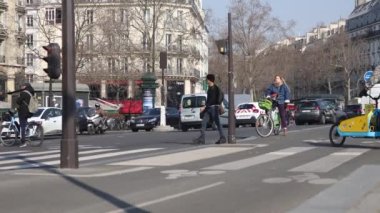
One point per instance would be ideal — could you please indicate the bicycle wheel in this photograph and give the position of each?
(35, 135)
(264, 125)
(11, 137)
(335, 138)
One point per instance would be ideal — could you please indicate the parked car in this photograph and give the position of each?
(151, 118)
(49, 117)
(354, 110)
(314, 111)
(247, 113)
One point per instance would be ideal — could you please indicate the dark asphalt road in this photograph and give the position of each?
(164, 172)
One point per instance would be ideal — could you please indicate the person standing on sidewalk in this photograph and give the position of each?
(211, 110)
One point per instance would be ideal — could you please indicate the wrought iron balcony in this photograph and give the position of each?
(3, 5)
(3, 32)
(33, 3)
(20, 7)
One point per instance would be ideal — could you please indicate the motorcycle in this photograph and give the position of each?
(96, 125)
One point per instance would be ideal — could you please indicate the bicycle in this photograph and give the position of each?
(10, 132)
(268, 123)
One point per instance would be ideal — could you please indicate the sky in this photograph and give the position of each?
(306, 13)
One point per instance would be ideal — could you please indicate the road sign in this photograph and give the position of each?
(368, 75)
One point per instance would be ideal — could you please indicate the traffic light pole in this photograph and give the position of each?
(50, 103)
(69, 143)
(231, 98)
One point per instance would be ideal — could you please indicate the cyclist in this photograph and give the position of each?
(23, 110)
(280, 92)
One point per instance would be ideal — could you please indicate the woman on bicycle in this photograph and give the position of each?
(280, 92)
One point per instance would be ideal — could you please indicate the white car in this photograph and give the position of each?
(247, 113)
(49, 117)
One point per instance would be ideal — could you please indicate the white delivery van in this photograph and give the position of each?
(190, 111)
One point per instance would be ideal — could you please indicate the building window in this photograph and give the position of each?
(29, 21)
(58, 16)
(124, 16)
(179, 65)
(29, 40)
(125, 64)
(29, 78)
(144, 41)
(90, 41)
(180, 42)
(50, 15)
(168, 40)
(111, 65)
(112, 14)
(147, 15)
(89, 16)
(29, 59)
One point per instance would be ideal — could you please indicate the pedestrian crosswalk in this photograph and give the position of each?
(326, 161)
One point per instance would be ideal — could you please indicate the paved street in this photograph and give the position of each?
(165, 172)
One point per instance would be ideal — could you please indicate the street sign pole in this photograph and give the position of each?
(69, 143)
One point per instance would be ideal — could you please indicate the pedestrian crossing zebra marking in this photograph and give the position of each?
(330, 162)
(83, 158)
(20, 160)
(11, 152)
(248, 162)
(28, 154)
(183, 157)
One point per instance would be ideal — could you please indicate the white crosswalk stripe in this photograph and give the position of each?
(183, 157)
(330, 162)
(248, 162)
(24, 160)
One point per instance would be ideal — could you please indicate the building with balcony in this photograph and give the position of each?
(12, 37)
(119, 41)
(364, 23)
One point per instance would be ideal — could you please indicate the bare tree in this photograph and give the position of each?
(346, 55)
(254, 29)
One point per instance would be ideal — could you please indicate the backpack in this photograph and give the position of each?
(33, 103)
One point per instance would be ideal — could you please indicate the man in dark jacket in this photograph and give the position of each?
(211, 110)
(23, 110)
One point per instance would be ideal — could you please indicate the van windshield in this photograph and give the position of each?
(192, 102)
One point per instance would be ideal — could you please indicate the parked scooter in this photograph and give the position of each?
(96, 125)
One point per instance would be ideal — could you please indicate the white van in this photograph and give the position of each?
(190, 111)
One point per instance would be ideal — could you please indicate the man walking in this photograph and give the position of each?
(211, 110)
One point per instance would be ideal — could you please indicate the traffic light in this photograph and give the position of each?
(53, 59)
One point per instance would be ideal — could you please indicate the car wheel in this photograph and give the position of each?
(184, 128)
(135, 130)
(298, 123)
(148, 130)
